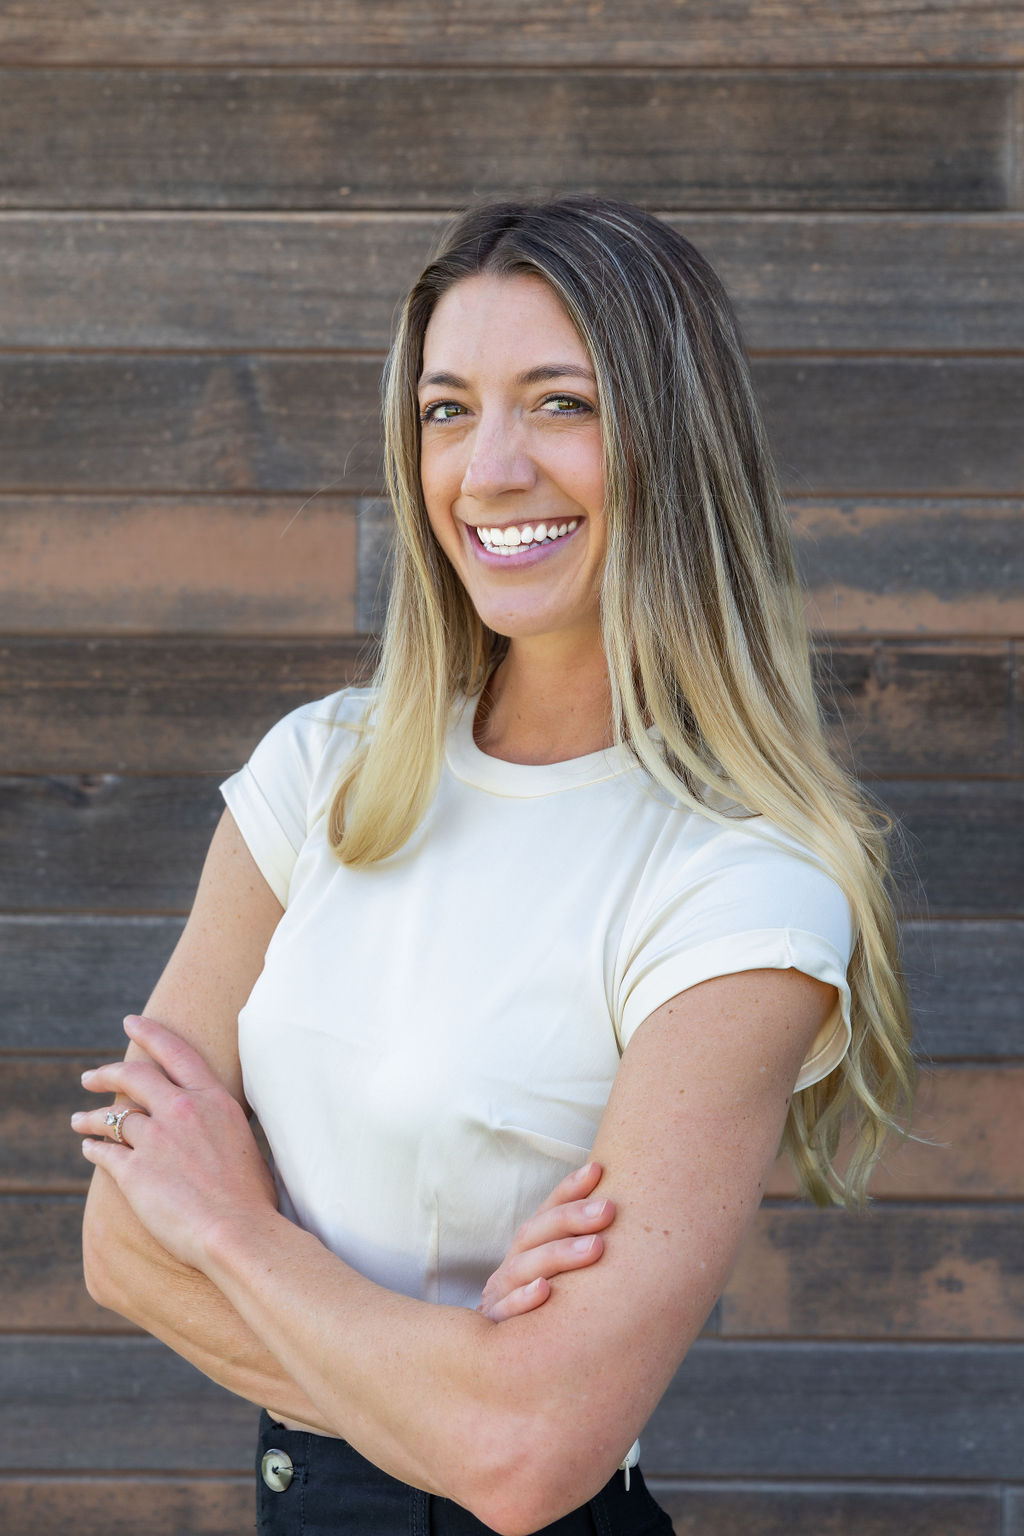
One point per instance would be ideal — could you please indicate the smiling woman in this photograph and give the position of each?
(570, 914)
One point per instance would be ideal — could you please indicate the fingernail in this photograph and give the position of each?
(582, 1244)
(131, 1020)
(594, 1208)
(87, 1074)
(77, 1119)
(580, 1172)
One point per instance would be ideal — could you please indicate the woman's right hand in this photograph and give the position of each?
(563, 1234)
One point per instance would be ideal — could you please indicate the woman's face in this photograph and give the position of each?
(511, 459)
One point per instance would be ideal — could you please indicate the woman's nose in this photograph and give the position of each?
(497, 462)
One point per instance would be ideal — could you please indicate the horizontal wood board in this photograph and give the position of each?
(661, 32)
(964, 978)
(174, 704)
(969, 1119)
(805, 282)
(829, 1509)
(51, 1505)
(111, 843)
(413, 139)
(735, 1409)
(850, 427)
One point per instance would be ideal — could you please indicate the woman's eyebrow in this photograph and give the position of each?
(538, 375)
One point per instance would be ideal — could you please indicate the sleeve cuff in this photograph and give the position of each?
(264, 837)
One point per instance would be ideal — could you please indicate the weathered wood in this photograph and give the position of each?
(175, 704)
(965, 982)
(848, 427)
(168, 704)
(901, 1272)
(828, 1509)
(67, 982)
(136, 1506)
(636, 32)
(747, 1409)
(41, 1285)
(971, 1146)
(415, 139)
(247, 565)
(970, 1119)
(159, 1413)
(965, 987)
(250, 282)
(1014, 1512)
(100, 842)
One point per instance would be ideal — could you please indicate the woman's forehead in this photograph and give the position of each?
(512, 324)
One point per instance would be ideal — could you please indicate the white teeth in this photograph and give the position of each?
(527, 535)
(513, 538)
(540, 532)
(506, 541)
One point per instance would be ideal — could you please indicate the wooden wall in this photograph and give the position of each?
(206, 215)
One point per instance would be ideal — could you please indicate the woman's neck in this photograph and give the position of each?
(546, 704)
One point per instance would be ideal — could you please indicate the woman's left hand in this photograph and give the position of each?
(189, 1160)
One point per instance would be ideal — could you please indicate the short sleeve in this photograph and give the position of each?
(745, 901)
(273, 797)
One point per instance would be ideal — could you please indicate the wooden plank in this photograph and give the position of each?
(861, 429)
(251, 282)
(904, 708)
(177, 704)
(224, 423)
(801, 1410)
(245, 138)
(64, 840)
(1014, 1512)
(108, 967)
(128, 1506)
(209, 564)
(637, 32)
(969, 1119)
(41, 1285)
(829, 1509)
(746, 1409)
(965, 982)
(158, 1412)
(971, 1144)
(965, 987)
(169, 704)
(946, 1272)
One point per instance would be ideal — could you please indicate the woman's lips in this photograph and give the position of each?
(520, 555)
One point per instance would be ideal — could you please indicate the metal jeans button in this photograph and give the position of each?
(277, 1470)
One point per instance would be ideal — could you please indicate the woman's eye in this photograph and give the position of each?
(443, 410)
(565, 405)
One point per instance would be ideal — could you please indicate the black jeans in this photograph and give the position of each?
(333, 1489)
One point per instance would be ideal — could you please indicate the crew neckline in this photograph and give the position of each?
(524, 780)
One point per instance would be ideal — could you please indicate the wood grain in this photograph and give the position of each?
(971, 1144)
(130, 1506)
(954, 855)
(828, 1509)
(41, 1285)
(414, 139)
(930, 282)
(945, 1272)
(631, 32)
(965, 982)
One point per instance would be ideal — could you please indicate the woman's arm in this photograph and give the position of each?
(524, 1421)
(205, 984)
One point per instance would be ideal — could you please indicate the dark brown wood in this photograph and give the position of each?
(417, 139)
(965, 988)
(901, 1272)
(159, 1413)
(171, 704)
(970, 1146)
(67, 982)
(39, 1152)
(828, 1509)
(107, 843)
(932, 283)
(171, 423)
(223, 565)
(130, 1506)
(632, 32)
(41, 1285)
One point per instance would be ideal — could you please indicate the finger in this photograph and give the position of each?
(141, 1081)
(575, 1186)
(551, 1260)
(525, 1299)
(93, 1122)
(107, 1155)
(182, 1063)
(571, 1220)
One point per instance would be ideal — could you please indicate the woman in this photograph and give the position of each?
(578, 873)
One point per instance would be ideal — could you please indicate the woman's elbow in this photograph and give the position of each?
(537, 1476)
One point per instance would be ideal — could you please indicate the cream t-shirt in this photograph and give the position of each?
(432, 1040)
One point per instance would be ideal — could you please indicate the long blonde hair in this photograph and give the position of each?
(702, 614)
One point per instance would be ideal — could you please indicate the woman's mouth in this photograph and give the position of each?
(516, 540)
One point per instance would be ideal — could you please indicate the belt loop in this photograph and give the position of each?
(419, 1513)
